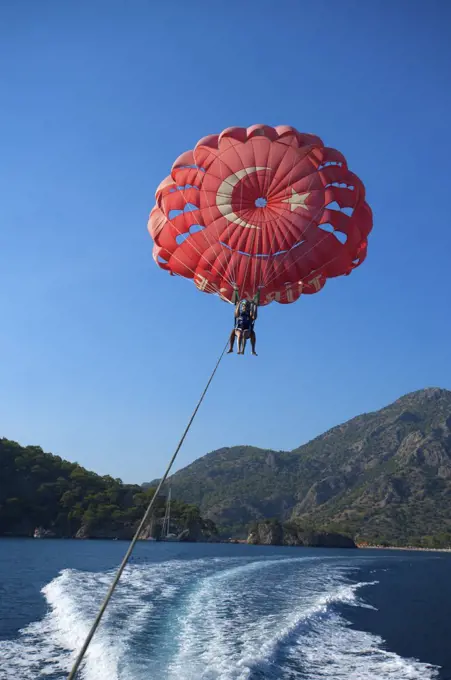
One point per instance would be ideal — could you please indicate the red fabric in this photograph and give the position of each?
(209, 226)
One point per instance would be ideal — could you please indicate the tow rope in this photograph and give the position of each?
(75, 668)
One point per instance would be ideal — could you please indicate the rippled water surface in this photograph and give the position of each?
(224, 612)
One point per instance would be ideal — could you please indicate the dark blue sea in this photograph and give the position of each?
(224, 612)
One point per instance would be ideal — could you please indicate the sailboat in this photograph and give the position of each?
(165, 531)
(150, 536)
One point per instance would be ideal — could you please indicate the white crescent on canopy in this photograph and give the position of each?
(224, 196)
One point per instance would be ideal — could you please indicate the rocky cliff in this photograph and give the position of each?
(289, 533)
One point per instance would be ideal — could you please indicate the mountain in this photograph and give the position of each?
(38, 489)
(382, 477)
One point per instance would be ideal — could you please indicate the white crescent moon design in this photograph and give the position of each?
(224, 196)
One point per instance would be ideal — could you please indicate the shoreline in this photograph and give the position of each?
(407, 547)
(232, 541)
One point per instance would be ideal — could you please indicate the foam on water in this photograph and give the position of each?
(334, 651)
(48, 648)
(208, 619)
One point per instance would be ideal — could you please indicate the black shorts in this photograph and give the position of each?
(243, 323)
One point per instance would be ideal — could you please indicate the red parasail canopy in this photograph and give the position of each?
(260, 211)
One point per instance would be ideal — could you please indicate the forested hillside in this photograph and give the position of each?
(38, 489)
(381, 477)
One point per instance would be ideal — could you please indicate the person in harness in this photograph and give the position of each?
(245, 317)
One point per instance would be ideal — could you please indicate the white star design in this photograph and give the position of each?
(297, 200)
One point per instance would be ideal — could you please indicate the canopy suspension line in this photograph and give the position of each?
(75, 668)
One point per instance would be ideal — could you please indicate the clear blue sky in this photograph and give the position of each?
(103, 355)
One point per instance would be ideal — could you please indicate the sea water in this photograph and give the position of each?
(224, 612)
